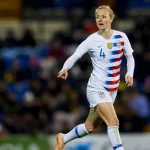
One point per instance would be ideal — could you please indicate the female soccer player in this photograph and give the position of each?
(105, 47)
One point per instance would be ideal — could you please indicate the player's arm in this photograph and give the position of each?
(130, 70)
(130, 62)
(67, 65)
(80, 51)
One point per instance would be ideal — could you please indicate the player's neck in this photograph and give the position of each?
(106, 33)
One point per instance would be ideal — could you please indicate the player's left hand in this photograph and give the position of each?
(128, 80)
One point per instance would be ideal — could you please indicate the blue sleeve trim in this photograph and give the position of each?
(76, 131)
(117, 146)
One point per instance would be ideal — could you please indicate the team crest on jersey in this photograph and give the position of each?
(109, 45)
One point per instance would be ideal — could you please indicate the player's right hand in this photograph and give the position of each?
(63, 74)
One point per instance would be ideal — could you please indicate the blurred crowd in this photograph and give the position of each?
(33, 100)
(87, 6)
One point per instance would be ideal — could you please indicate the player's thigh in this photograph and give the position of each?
(93, 119)
(107, 112)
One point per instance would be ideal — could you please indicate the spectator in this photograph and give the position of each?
(10, 41)
(28, 39)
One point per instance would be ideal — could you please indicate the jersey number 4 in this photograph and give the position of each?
(102, 54)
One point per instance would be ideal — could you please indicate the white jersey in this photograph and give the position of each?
(106, 56)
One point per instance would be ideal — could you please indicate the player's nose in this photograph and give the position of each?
(100, 20)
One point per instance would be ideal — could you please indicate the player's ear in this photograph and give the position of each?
(111, 19)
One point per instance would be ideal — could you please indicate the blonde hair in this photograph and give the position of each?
(112, 15)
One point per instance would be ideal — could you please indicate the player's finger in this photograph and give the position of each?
(60, 74)
(130, 83)
(62, 77)
(66, 75)
(127, 81)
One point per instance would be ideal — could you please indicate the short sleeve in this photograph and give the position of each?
(82, 48)
(127, 46)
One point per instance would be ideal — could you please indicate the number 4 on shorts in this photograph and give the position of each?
(102, 54)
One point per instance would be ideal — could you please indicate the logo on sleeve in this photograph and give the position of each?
(100, 46)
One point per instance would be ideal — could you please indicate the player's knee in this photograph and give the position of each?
(113, 122)
(89, 127)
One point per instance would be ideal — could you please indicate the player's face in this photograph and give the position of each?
(103, 20)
